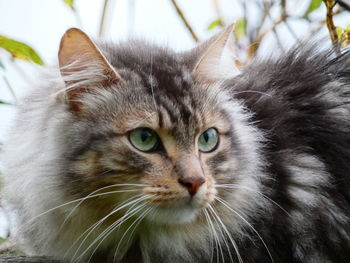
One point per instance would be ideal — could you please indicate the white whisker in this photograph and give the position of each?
(252, 91)
(120, 206)
(102, 236)
(115, 226)
(252, 190)
(228, 234)
(222, 234)
(98, 223)
(223, 237)
(136, 223)
(92, 194)
(127, 242)
(83, 199)
(240, 216)
(212, 239)
(152, 86)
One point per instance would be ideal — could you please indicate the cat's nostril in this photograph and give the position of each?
(192, 183)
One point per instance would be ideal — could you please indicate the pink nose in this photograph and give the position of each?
(192, 184)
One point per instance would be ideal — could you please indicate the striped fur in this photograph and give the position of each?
(277, 188)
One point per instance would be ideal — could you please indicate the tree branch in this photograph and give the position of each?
(344, 5)
(260, 24)
(255, 44)
(285, 15)
(185, 21)
(9, 86)
(102, 29)
(330, 24)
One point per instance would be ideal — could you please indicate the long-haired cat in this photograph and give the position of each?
(135, 153)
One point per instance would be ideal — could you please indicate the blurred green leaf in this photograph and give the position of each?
(20, 50)
(343, 35)
(340, 31)
(2, 65)
(240, 28)
(215, 23)
(314, 4)
(5, 103)
(2, 240)
(70, 3)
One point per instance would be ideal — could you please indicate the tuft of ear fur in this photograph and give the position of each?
(218, 60)
(83, 66)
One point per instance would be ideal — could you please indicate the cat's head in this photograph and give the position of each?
(153, 131)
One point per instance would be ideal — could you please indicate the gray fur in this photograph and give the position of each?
(47, 139)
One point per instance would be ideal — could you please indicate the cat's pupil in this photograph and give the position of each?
(145, 135)
(206, 136)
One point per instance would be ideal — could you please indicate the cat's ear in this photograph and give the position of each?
(83, 66)
(217, 60)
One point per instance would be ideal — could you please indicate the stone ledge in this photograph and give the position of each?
(25, 259)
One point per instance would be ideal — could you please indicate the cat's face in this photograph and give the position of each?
(159, 141)
(167, 148)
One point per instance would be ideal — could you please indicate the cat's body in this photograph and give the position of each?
(278, 178)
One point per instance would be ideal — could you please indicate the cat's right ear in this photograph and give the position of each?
(83, 66)
(215, 58)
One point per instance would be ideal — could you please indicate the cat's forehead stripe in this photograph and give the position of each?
(167, 81)
(175, 100)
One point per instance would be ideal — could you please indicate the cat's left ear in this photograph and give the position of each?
(217, 60)
(83, 66)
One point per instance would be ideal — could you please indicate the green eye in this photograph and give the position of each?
(208, 140)
(144, 139)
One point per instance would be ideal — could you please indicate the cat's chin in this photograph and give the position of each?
(174, 216)
(180, 212)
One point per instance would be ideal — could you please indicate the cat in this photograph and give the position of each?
(132, 152)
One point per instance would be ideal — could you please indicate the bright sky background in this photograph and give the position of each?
(41, 23)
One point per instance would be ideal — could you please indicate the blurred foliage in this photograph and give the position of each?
(4, 102)
(240, 28)
(215, 23)
(20, 50)
(70, 3)
(270, 16)
(343, 35)
(313, 5)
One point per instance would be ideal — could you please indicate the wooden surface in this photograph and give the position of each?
(23, 259)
